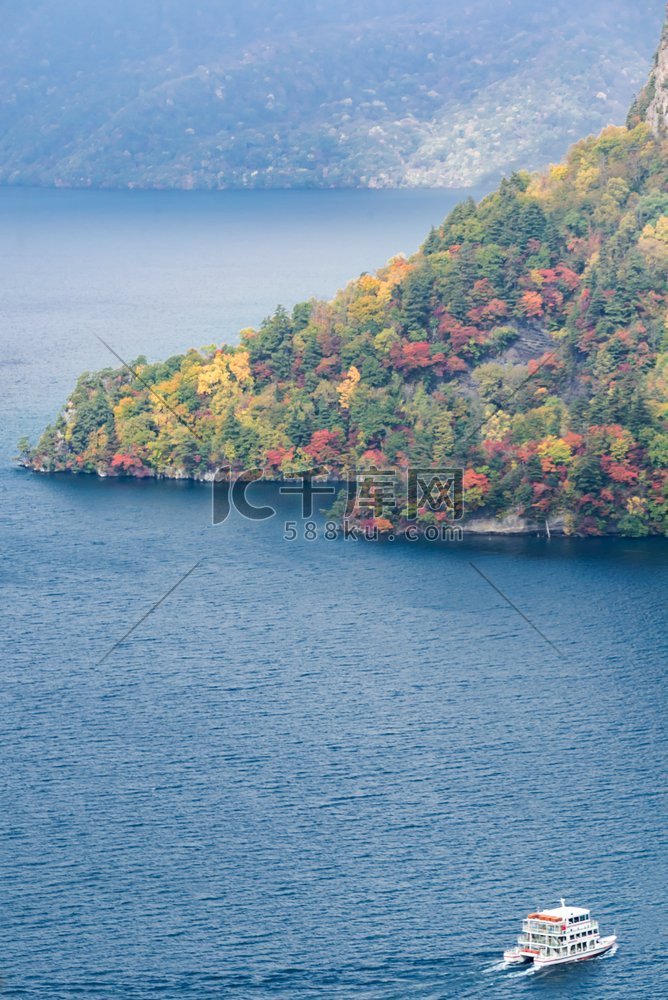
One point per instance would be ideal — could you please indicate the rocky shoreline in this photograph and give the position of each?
(481, 524)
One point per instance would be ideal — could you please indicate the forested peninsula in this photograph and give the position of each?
(526, 342)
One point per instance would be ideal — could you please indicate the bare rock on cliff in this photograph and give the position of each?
(652, 102)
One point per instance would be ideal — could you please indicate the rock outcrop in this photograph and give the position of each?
(652, 102)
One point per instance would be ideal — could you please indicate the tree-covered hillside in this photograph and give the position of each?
(526, 341)
(161, 93)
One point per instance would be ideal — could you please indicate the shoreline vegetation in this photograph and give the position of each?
(526, 342)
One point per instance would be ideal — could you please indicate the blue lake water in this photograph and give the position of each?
(319, 768)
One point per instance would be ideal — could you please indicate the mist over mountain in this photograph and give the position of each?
(161, 93)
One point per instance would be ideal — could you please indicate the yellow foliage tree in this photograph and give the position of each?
(124, 408)
(348, 386)
(621, 445)
(169, 385)
(214, 375)
(555, 450)
(498, 426)
(239, 365)
(653, 243)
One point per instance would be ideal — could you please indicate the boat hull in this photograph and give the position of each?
(606, 944)
(515, 957)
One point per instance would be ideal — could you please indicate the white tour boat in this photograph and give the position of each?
(554, 937)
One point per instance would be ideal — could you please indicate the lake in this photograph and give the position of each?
(319, 768)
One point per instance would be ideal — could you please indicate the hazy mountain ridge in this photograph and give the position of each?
(159, 95)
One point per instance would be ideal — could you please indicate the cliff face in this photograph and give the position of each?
(651, 105)
(657, 111)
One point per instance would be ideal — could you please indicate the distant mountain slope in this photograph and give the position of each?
(526, 342)
(164, 93)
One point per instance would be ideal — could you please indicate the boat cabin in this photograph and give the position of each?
(567, 930)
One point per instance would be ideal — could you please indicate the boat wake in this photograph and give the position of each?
(525, 970)
(497, 967)
(521, 973)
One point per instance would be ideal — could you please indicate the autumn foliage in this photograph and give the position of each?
(525, 342)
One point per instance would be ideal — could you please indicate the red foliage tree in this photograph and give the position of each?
(473, 479)
(531, 304)
(324, 446)
(411, 356)
(276, 456)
